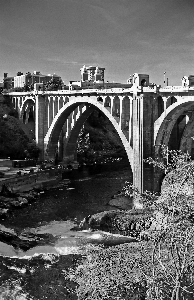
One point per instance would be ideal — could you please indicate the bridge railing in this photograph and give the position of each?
(173, 88)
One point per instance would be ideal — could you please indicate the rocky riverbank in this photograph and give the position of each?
(11, 200)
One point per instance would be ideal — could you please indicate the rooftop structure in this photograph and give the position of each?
(32, 78)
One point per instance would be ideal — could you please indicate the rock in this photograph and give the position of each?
(121, 202)
(28, 196)
(7, 191)
(24, 241)
(128, 223)
(6, 202)
(22, 200)
(15, 203)
(3, 211)
(102, 220)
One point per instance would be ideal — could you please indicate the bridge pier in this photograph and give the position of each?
(41, 123)
(138, 142)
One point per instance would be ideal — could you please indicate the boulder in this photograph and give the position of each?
(3, 211)
(22, 200)
(7, 191)
(121, 202)
(128, 223)
(24, 241)
(6, 202)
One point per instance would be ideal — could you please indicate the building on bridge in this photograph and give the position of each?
(93, 78)
(33, 78)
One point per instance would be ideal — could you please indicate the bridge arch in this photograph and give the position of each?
(170, 101)
(164, 125)
(27, 103)
(52, 136)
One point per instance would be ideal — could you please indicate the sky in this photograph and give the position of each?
(124, 36)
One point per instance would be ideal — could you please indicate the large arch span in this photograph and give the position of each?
(164, 125)
(52, 136)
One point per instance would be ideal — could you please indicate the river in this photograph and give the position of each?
(39, 272)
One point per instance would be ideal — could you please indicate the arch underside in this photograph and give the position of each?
(173, 130)
(27, 103)
(91, 103)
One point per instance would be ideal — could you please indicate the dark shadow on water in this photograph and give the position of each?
(85, 171)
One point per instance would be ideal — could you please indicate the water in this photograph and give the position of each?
(40, 272)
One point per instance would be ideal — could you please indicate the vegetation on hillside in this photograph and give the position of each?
(158, 268)
(14, 143)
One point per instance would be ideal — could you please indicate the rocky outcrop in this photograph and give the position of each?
(24, 241)
(10, 200)
(121, 201)
(128, 223)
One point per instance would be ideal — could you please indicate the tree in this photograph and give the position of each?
(54, 84)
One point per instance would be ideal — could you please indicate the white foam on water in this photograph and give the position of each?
(36, 251)
(68, 250)
(56, 228)
(83, 179)
(20, 270)
(7, 250)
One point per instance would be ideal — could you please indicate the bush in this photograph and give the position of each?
(33, 150)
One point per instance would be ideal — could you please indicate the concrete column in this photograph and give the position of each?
(72, 119)
(164, 100)
(58, 104)
(75, 114)
(131, 123)
(69, 123)
(53, 107)
(61, 145)
(40, 123)
(50, 110)
(121, 110)
(78, 113)
(46, 122)
(111, 104)
(103, 98)
(27, 117)
(138, 143)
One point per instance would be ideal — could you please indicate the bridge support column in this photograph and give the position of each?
(41, 124)
(137, 145)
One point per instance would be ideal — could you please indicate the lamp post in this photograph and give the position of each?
(164, 77)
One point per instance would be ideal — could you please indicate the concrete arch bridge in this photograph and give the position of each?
(144, 118)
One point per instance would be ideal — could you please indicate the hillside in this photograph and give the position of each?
(13, 140)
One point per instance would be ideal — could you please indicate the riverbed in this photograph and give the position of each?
(40, 272)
